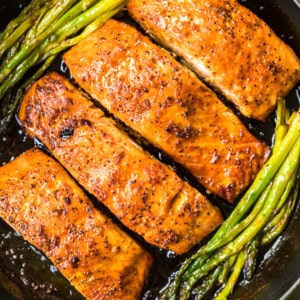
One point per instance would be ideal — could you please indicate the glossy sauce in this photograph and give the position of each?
(36, 278)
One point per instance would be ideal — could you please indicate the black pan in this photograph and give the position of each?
(26, 273)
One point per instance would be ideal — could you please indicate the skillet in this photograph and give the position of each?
(27, 274)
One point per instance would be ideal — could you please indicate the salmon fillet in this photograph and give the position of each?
(41, 202)
(145, 87)
(146, 195)
(228, 46)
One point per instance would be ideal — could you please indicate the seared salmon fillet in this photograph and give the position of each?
(42, 202)
(146, 195)
(228, 46)
(145, 87)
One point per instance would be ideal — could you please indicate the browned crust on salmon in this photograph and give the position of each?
(146, 195)
(228, 46)
(144, 86)
(41, 202)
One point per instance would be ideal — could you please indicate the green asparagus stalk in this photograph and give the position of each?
(223, 235)
(99, 10)
(32, 8)
(16, 34)
(213, 245)
(279, 224)
(282, 204)
(250, 263)
(231, 282)
(239, 234)
(208, 283)
(55, 49)
(28, 48)
(289, 166)
(41, 34)
(226, 269)
(11, 51)
(238, 228)
(262, 180)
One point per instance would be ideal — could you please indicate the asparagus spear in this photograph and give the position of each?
(289, 166)
(101, 11)
(16, 34)
(40, 35)
(226, 269)
(208, 283)
(263, 179)
(238, 266)
(35, 6)
(27, 49)
(281, 223)
(250, 262)
(250, 232)
(239, 235)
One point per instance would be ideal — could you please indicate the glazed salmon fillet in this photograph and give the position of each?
(146, 88)
(228, 46)
(42, 202)
(146, 195)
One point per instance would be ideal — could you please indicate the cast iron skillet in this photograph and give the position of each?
(26, 273)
